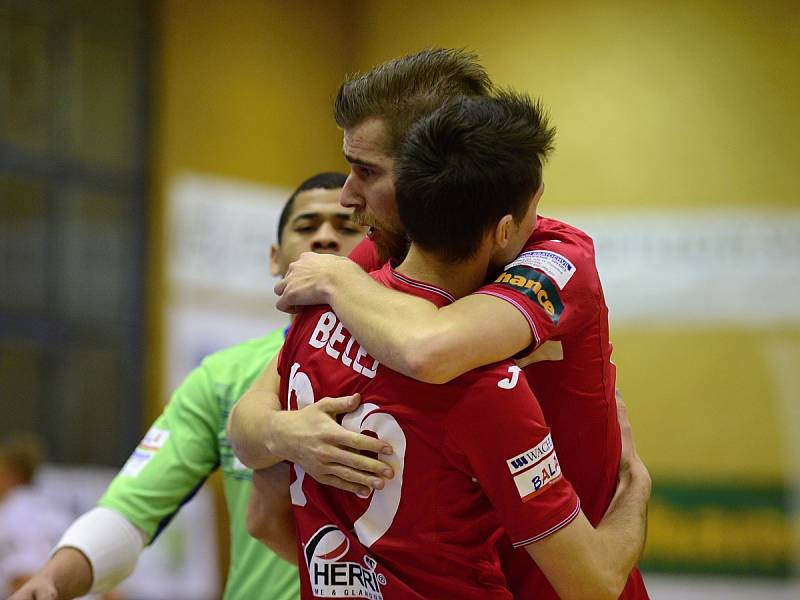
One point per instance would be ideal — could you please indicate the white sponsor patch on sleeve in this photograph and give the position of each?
(535, 469)
(530, 457)
(533, 481)
(152, 442)
(556, 266)
(154, 438)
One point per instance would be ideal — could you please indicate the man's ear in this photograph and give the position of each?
(502, 231)
(274, 266)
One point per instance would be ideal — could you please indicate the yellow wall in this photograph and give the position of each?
(679, 103)
(658, 105)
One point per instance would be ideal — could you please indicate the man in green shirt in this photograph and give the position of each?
(187, 443)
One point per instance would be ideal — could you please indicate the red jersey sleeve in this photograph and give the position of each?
(496, 434)
(366, 256)
(282, 374)
(553, 283)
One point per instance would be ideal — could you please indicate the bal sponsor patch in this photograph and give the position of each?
(536, 286)
(556, 266)
(152, 442)
(535, 469)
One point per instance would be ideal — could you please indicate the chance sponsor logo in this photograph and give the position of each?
(536, 286)
(556, 266)
(332, 577)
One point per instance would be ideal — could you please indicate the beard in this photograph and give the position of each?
(391, 241)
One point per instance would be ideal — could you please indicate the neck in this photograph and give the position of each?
(459, 278)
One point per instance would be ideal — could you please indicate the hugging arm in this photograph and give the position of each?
(262, 435)
(407, 333)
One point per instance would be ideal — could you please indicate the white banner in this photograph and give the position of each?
(219, 234)
(738, 268)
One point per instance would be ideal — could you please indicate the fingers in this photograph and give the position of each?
(364, 443)
(345, 485)
(341, 404)
(367, 481)
(34, 591)
(284, 304)
(280, 287)
(359, 462)
(347, 439)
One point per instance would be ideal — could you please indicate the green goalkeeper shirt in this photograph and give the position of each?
(184, 446)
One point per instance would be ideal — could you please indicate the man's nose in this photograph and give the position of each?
(326, 239)
(351, 196)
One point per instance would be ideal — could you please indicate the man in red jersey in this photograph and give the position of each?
(474, 451)
(435, 345)
(546, 308)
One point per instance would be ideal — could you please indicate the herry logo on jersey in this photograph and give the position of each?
(329, 332)
(536, 286)
(535, 469)
(332, 577)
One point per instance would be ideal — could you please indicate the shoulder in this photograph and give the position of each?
(561, 246)
(366, 255)
(564, 254)
(252, 352)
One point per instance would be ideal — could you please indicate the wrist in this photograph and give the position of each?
(69, 572)
(330, 284)
(338, 279)
(271, 433)
(109, 543)
(635, 475)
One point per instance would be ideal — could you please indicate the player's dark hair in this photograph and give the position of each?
(402, 90)
(468, 164)
(324, 181)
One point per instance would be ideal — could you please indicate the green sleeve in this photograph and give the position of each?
(173, 460)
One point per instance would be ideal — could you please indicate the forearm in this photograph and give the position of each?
(68, 574)
(269, 513)
(395, 328)
(249, 424)
(623, 528)
(109, 546)
(581, 561)
(405, 332)
(431, 344)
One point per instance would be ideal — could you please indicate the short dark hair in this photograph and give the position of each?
(402, 90)
(468, 164)
(324, 181)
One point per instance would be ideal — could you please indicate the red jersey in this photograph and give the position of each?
(555, 285)
(466, 455)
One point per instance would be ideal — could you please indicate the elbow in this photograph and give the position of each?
(262, 526)
(599, 591)
(598, 584)
(607, 586)
(612, 588)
